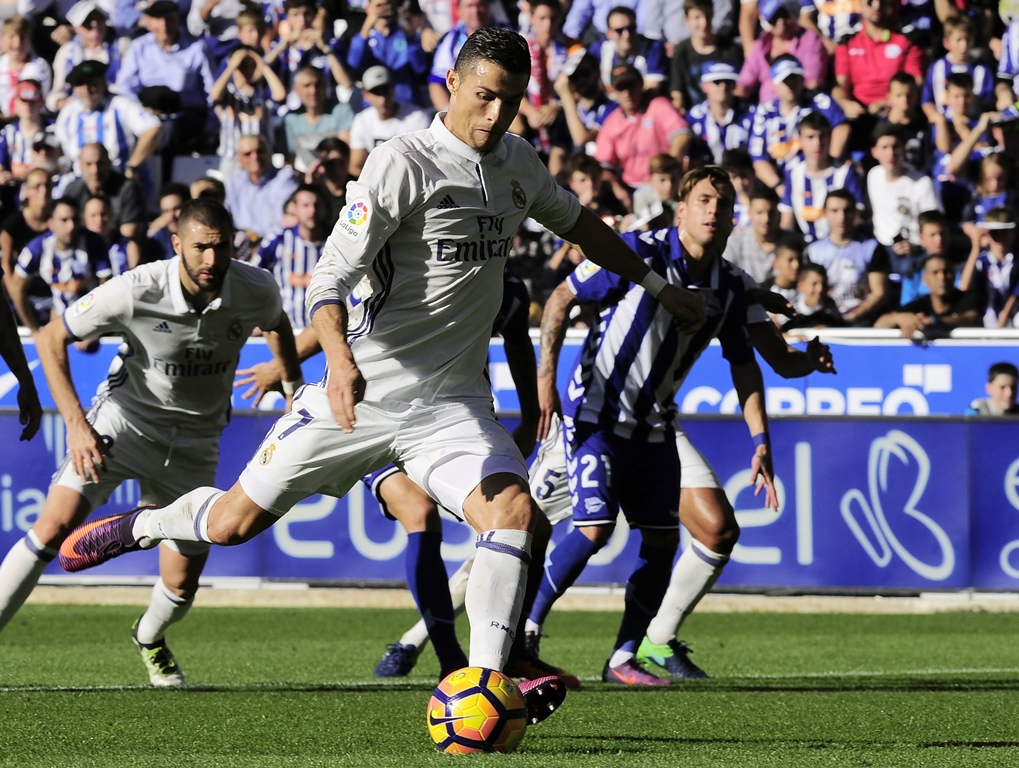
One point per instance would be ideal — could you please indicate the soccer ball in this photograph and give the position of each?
(477, 710)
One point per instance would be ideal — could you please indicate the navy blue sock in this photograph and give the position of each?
(644, 592)
(565, 564)
(428, 583)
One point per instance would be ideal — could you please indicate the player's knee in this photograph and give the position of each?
(719, 533)
(598, 534)
(417, 515)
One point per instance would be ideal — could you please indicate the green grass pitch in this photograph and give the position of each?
(293, 687)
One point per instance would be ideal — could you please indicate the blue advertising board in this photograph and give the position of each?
(871, 503)
(877, 377)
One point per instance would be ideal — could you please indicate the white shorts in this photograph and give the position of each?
(548, 472)
(446, 449)
(166, 466)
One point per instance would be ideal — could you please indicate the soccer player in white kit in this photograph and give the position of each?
(431, 220)
(158, 416)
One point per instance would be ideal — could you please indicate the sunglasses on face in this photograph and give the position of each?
(631, 28)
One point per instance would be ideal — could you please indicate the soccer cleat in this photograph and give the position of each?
(398, 660)
(543, 696)
(163, 669)
(526, 665)
(94, 543)
(673, 657)
(631, 672)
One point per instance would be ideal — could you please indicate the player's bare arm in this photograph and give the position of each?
(749, 386)
(604, 247)
(553, 331)
(345, 383)
(14, 355)
(280, 341)
(523, 369)
(85, 447)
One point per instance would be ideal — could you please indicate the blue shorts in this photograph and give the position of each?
(607, 473)
(374, 479)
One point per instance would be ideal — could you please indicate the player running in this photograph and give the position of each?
(431, 220)
(158, 416)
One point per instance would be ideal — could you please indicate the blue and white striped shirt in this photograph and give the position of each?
(714, 138)
(1008, 64)
(69, 274)
(837, 20)
(938, 72)
(776, 137)
(291, 259)
(635, 360)
(805, 195)
(116, 125)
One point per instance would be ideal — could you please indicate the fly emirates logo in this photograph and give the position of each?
(489, 243)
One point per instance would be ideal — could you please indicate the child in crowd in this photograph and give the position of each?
(992, 191)
(933, 241)
(124, 254)
(957, 38)
(695, 51)
(752, 248)
(721, 121)
(991, 271)
(1002, 386)
(786, 267)
(654, 203)
(897, 195)
(740, 167)
(903, 110)
(814, 307)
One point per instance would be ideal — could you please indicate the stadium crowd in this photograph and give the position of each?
(870, 141)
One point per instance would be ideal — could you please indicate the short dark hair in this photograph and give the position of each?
(70, 202)
(707, 7)
(719, 180)
(998, 369)
(790, 241)
(962, 80)
(842, 194)
(555, 5)
(583, 163)
(502, 47)
(627, 11)
(931, 217)
(763, 192)
(807, 267)
(888, 129)
(101, 198)
(737, 160)
(815, 121)
(332, 144)
(315, 189)
(183, 191)
(291, 5)
(903, 78)
(206, 211)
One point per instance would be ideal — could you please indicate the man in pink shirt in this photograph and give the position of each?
(865, 64)
(642, 127)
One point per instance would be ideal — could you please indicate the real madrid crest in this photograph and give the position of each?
(236, 330)
(266, 455)
(519, 198)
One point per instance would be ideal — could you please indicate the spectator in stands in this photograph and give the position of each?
(958, 59)
(31, 220)
(92, 40)
(314, 122)
(807, 183)
(169, 57)
(752, 248)
(244, 96)
(97, 217)
(644, 125)
(740, 167)
(18, 62)
(933, 241)
(159, 245)
(72, 261)
(584, 102)
(19, 136)
(304, 45)
(834, 22)
(590, 18)
(865, 64)
(943, 308)
(785, 269)
(384, 118)
(655, 203)
(623, 45)
(993, 190)
(721, 121)
(208, 187)
(665, 20)
(216, 21)
(991, 272)
(584, 178)
(473, 15)
(903, 103)
(1002, 387)
(1007, 86)
(814, 307)
(381, 41)
(857, 266)
(292, 254)
(330, 170)
(897, 195)
(128, 131)
(692, 53)
(256, 194)
(98, 179)
(774, 139)
(786, 38)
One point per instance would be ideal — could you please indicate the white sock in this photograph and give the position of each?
(495, 594)
(165, 608)
(20, 572)
(620, 657)
(693, 575)
(532, 626)
(186, 519)
(418, 634)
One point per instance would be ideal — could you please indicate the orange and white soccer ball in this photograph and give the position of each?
(477, 710)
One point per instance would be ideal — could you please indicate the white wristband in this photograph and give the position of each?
(653, 283)
(289, 387)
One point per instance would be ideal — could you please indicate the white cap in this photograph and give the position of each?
(82, 10)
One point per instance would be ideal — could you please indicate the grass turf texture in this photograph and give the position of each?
(293, 687)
